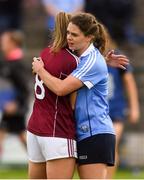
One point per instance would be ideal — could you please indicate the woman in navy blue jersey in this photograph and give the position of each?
(122, 106)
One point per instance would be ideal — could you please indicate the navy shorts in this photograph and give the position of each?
(97, 149)
(14, 123)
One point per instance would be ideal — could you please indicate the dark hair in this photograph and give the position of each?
(89, 25)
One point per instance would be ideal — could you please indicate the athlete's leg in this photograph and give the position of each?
(2, 137)
(22, 137)
(95, 153)
(37, 170)
(55, 151)
(92, 171)
(118, 126)
(60, 168)
(37, 164)
(60, 154)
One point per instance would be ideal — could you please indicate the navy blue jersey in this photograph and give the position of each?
(116, 97)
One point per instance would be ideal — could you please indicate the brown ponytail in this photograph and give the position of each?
(100, 40)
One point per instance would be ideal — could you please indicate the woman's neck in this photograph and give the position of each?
(81, 51)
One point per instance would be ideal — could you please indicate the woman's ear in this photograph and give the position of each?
(91, 38)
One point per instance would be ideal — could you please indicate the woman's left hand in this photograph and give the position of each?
(134, 115)
(37, 64)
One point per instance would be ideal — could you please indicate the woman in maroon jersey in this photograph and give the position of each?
(51, 127)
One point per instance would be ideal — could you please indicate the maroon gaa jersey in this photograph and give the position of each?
(52, 115)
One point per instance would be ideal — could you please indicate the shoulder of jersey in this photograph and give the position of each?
(45, 51)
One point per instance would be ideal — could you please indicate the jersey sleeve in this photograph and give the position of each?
(88, 71)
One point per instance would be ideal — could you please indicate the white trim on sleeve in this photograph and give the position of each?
(88, 84)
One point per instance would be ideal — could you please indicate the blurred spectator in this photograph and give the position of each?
(7, 93)
(117, 16)
(14, 98)
(121, 107)
(10, 14)
(52, 7)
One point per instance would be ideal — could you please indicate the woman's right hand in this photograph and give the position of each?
(117, 61)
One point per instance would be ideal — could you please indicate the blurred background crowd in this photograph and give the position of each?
(25, 28)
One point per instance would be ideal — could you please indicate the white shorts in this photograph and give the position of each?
(42, 149)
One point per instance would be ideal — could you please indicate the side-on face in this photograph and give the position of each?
(5, 43)
(76, 39)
